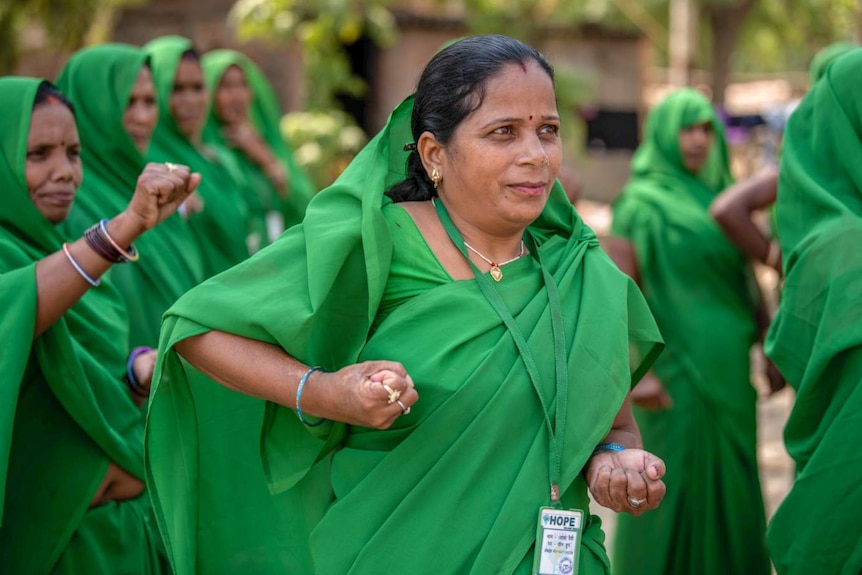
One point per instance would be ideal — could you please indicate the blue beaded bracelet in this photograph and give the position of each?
(609, 446)
(299, 394)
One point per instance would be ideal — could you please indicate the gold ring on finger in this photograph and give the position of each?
(404, 409)
(394, 394)
(171, 167)
(636, 502)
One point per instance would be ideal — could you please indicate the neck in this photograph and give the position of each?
(498, 245)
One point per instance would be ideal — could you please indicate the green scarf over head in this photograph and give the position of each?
(816, 337)
(316, 293)
(698, 287)
(822, 60)
(98, 81)
(65, 412)
(222, 227)
(265, 115)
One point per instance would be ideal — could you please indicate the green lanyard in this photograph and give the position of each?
(556, 436)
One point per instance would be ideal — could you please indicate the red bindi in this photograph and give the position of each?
(52, 100)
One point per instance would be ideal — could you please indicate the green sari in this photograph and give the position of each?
(98, 81)
(65, 412)
(816, 337)
(221, 228)
(370, 288)
(698, 286)
(265, 115)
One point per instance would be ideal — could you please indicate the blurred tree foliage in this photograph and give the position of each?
(68, 24)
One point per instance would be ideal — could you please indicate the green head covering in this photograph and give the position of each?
(64, 411)
(816, 337)
(222, 227)
(821, 61)
(99, 81)
(265, 115)
(659, 156)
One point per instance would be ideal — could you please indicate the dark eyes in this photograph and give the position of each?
(547, 129)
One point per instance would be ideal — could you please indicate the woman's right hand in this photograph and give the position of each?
(358, 394)
(160, 190)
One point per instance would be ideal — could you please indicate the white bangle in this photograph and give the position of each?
(90, 280)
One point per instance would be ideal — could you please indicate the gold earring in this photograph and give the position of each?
(435, 177)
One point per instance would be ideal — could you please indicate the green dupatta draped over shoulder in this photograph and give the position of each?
(222, 227)
(65, 412)
(265, 115)
(98, 81)
(816, 337)
(698, 287)
(472, 456)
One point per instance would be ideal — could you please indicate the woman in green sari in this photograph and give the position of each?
(816, 338)
(456, 397)
(698, 287)
(108, 84)
(246, 120)
(221, 227)
(71, 445)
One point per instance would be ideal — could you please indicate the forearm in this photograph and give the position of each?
(624, 430)
(60, 285)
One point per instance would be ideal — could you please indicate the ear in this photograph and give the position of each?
(430, 152)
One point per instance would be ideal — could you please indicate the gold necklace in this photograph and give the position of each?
(496, 272)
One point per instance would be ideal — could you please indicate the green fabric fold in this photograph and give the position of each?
(66, 412)
(221, 228)
(98, 81)
(265, 115)
(816, 337)
(698, 286)
(334, 281)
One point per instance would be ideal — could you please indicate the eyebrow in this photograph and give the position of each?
(517, 120)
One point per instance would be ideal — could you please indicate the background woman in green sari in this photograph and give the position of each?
(698, 287)
(71, 431)
(112, 90)
(222, 226)
(246, 119)
(816, 338)
(455, 413)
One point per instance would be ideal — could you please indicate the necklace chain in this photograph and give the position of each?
(492, 264)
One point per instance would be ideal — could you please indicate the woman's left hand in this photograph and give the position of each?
(143, 366)
(628, 480)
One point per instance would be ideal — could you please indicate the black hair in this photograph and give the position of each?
(48, 92)
(191, 54)
(451, 87)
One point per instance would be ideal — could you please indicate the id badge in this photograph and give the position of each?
(558, 539)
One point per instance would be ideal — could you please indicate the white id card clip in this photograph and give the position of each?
(558, 539)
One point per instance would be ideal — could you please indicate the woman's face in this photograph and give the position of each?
(501, 162)
(141, 113)
(232, 97)
(53, 169)
(694, 144)
(189, 98)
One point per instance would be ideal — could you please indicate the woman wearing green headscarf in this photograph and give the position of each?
(222, 226)
(246, 119)
(698, 287)
(71, 431)
(460, 395)
(816, 338)
(111, 88)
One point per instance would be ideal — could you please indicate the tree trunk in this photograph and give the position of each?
(725, 23)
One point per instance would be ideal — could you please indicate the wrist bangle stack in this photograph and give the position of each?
(609, 446)
(134, 384)
(101, 242)
(299, 395)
